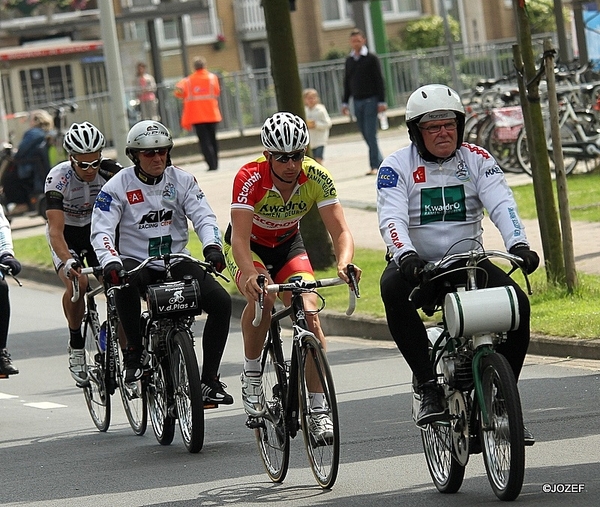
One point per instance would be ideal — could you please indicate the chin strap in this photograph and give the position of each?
(145, 177)
(279, 177)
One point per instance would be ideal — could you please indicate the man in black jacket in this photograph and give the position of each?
(363, 81)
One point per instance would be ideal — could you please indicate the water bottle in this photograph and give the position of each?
(383, 121)
(102, 337)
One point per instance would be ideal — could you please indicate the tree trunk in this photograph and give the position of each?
(288, 90)
(540, 168)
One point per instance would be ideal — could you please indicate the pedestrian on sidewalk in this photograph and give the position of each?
(363, 81)
(318, 122)
(200, 93)
(431, 197)
(7, 258)
(145, 86)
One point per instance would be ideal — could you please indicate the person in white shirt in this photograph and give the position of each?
(431, 197)
(318, 122)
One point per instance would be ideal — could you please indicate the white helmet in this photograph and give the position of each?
(148, 134)
(83, 138)
(434, 97)
(284, 133)
(433, 102)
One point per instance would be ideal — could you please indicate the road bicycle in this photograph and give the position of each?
(6, 270)
(104, 361)
(286, 385)
(480, 391)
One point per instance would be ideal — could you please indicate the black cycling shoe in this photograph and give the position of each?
(432, 406)
(134, 366)
(213, 391)
(6, 366)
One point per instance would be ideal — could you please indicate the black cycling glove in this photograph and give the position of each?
(214, 256)
(410, 266)
(531, 260)
(13, 264)
(112, 273)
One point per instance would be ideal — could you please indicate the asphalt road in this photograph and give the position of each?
(52, 455)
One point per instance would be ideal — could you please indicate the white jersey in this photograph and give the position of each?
(74, 196)
(428, 206)
(134, 220)
(6, 243)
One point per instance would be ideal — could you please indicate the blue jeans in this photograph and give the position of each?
(366, 117)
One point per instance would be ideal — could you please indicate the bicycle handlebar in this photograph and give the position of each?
(430, 271)
(94, 270)
(7, 270)
(300, 286)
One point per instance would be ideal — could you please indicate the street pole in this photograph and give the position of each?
(120, 123)
(455, 81)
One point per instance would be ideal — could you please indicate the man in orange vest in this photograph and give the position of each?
(200, 94)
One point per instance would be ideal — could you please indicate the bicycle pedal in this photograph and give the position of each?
(253, 423)
(209, 405)
(4, 375)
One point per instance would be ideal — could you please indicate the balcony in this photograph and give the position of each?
(250, 20)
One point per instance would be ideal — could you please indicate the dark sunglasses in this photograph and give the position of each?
(150, 153)
(284, 158)
(86, 165)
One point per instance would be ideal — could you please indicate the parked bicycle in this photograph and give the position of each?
(286, 385)
(579, 134)
(483, 404)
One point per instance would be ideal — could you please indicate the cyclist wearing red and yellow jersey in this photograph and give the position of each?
(270, 196)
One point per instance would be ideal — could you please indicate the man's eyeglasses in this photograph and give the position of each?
(434, 129)
(94, 164)
(156, 151)
(284, 158)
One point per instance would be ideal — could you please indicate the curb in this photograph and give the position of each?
(370, 328)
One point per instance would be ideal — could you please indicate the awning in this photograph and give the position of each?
(50, 49)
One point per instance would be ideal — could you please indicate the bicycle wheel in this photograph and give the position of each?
(96, 396)
(569, 140)
(188, 391)
(323, 451)
(503, 151)
(447, 473)
(133, 395)
(160, 397)
(272, 433)
(502, 441)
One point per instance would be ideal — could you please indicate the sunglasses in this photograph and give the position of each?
(87, 165)
(284, 158)
(156, 151)
(434, 129)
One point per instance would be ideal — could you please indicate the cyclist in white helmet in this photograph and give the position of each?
(144, 211)
(431, 197)
(270, 196)
(71, 188)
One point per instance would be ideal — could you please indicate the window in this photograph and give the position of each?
(336, 12)
(400, 8)
(200, 27)
(44, 85)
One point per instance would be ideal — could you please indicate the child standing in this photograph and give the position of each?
(318, 122)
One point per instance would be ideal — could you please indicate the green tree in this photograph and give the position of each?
(540, 14)
(428, 32)
(288, 90)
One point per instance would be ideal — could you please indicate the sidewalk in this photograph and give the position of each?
(347, 159)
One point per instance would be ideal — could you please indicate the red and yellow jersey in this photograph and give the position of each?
(275, 221)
